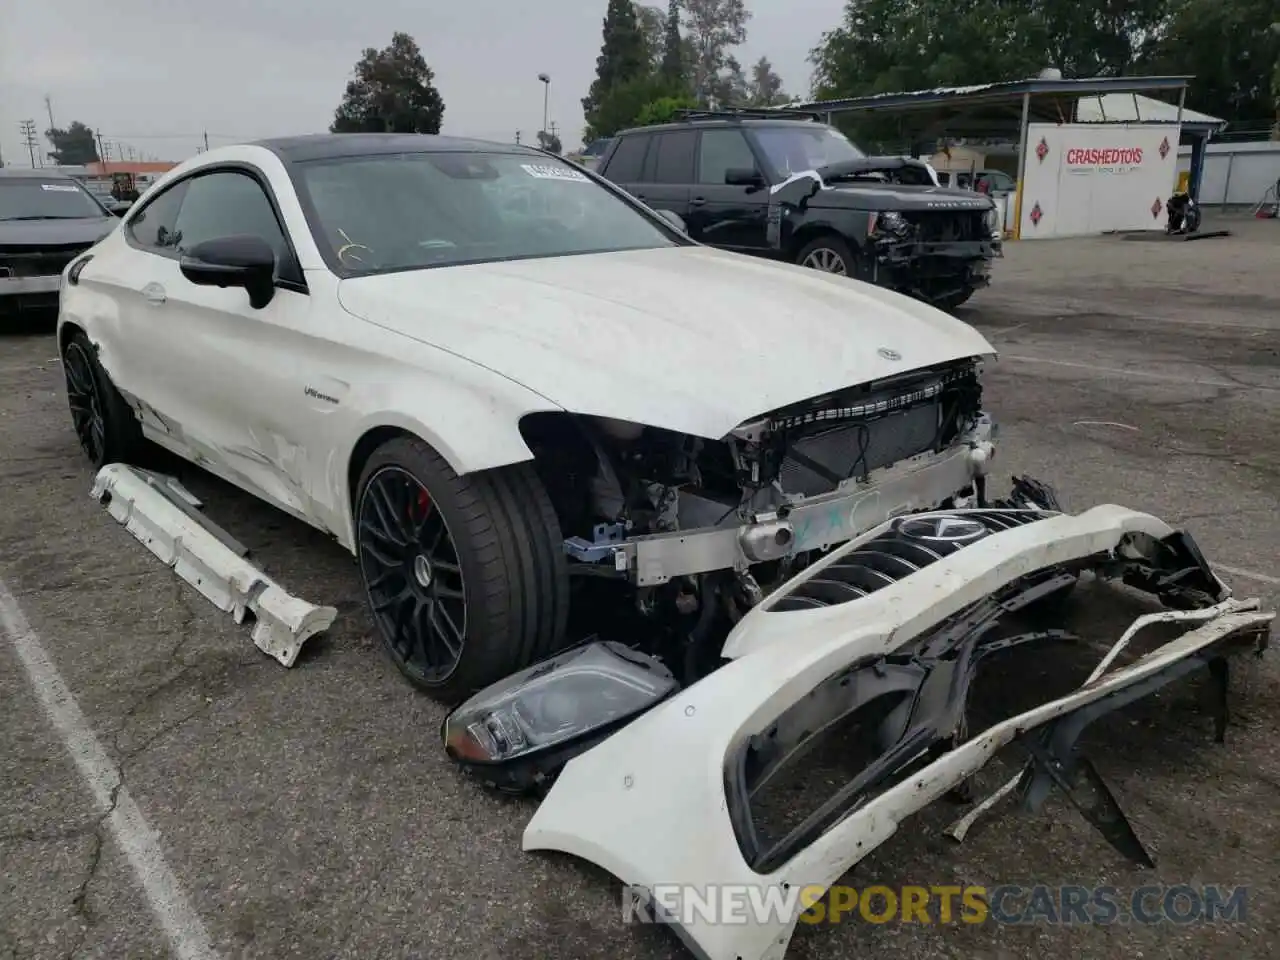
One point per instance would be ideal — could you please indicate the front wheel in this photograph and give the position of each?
(466, 577)
(829, 253)
(953, 300)
(105, 426)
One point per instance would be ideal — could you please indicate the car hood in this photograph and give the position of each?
(691, 339)
(53, 233)
(887, 196)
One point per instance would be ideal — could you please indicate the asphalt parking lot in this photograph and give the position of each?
(311, 812)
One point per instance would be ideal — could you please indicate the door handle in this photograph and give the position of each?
(698, 201)
(154, 294)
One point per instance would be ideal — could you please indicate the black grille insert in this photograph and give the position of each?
(911, 544)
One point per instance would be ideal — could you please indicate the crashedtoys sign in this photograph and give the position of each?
(1089, 178)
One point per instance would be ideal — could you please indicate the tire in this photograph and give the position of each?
(484, 549)
(105, 425)
(831, 249)
(950, 303)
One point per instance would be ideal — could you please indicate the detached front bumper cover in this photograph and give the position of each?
(666, 800)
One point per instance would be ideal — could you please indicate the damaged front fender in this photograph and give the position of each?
(666, 800)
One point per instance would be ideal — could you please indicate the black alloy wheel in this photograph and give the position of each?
(84, 396)
(413, 575)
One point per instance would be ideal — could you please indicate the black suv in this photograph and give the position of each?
(796, 189)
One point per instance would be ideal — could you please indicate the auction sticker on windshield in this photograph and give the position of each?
(549, 172)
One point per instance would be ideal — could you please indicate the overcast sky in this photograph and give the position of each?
(156, 74)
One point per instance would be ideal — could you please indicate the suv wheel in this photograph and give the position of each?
(829, 254)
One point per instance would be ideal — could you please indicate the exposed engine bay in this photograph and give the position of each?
(664, 512)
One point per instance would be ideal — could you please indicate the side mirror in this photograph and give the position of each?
(241, 261)
(744, 177)
(674, 219)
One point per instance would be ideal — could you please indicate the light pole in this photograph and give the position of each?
(546, 100)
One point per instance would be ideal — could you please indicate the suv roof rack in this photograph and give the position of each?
(740, 113)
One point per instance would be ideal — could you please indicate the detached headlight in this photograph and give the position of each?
(994, 226)
(520, 731)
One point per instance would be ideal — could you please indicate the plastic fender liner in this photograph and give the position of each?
(203, 558)
(650, 806)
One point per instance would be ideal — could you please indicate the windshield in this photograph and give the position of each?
(40, 198)
(797, 149)
(374, 214)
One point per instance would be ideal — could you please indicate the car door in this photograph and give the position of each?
(666, 180)
(251, 415)
(728, 215)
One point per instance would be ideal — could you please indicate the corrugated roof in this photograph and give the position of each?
(994, 92)
(1135, 108)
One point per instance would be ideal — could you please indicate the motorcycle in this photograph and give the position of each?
(1184, 214)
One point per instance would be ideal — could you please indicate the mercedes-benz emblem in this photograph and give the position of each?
(889, 354)
(949, 529)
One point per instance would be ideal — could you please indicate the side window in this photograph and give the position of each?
(154, 226)
(225, 204)
(722, 151)
(670, 159)
(627, 160)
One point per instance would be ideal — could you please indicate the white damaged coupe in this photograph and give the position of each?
(664, 514)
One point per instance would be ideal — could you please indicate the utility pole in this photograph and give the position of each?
(48, 105)
(102, 150)
(28, 128)
(206, 141)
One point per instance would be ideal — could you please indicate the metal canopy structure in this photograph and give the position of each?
(991, 109)
(1003, 110)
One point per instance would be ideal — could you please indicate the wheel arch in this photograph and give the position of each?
(809, 232)
(495, 444)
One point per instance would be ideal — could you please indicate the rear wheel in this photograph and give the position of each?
(466, 577)
(105, 426)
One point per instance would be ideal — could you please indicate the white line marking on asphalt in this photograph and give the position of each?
(1248, 574)
(1126, 372)
(1104, 423)
(139, 842)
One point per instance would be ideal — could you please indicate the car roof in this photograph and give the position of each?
(719, 122)
(327, 146)
(45, 173)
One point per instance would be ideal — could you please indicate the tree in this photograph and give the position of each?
(653, 25)
(625, 103)
(72, 147)
(674, 61)
(393, 92)
(729, 86)
(549, 141)
(712, 26)
(623, 58)
(764, 89)
(1234, 54)
(663, 110)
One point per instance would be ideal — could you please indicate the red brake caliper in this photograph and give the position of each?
(418, 512)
